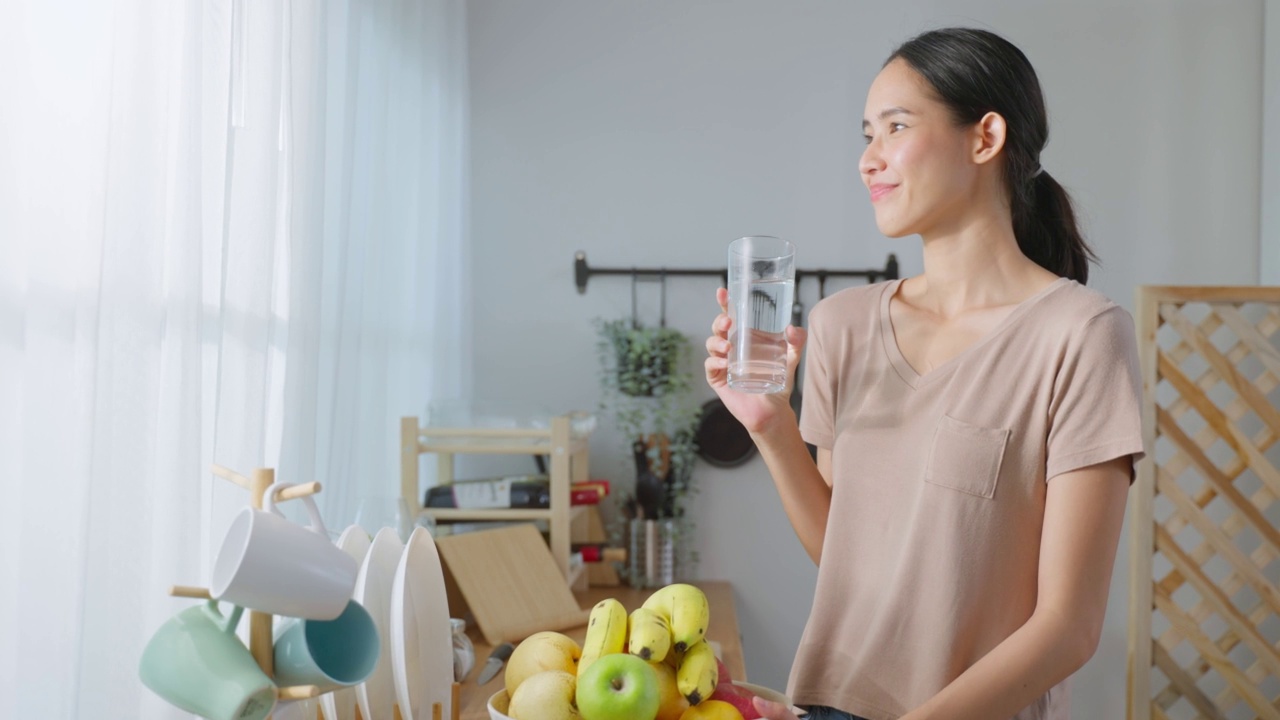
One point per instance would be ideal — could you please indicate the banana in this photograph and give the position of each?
(606, 632)
(650, 635)
(698, 675)
(673, 658)
(685, 608)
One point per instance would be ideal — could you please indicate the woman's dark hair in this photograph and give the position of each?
(975, 72)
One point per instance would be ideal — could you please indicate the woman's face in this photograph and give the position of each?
(918, 164)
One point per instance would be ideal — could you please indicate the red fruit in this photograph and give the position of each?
(739, 697)
(724, 671)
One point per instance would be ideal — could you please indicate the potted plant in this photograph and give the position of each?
(640, 360)
(647, 387)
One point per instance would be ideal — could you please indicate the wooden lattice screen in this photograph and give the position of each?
(1204, 620)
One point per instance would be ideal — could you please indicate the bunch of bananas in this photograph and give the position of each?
(671, 627)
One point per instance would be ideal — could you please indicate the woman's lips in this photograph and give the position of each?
(880, 190)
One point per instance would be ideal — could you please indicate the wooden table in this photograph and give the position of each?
(723, 629)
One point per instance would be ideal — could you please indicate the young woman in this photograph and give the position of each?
(976, 425)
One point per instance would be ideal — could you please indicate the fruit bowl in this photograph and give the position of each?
(499, 701)
(498, 705)
(766, 693)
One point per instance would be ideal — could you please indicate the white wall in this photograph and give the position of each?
(653, 134)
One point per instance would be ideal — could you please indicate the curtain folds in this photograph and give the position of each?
(230, 232)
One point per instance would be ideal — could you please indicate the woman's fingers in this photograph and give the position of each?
(717, 370)
(717, 345)
(772, 710)
(796, 338)
(720, 326)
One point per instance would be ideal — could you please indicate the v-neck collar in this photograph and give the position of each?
(904, 368)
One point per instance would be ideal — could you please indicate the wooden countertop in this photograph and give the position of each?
(723, 630)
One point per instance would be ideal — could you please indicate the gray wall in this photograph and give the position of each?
(653, 134)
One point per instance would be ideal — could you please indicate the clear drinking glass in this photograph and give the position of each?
(762, 284)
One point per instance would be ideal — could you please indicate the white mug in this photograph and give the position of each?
(272, 565)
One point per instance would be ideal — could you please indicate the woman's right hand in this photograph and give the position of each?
(757, 413)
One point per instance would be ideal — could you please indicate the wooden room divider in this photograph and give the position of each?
(1204, 619)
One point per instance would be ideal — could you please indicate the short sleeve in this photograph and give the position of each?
(1096, 411)
(817, 425)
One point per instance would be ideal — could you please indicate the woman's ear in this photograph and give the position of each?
(988, 137)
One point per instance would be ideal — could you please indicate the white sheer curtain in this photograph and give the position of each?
(230, 231)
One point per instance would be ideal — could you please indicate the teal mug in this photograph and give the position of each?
(196, 662)
(328, 653)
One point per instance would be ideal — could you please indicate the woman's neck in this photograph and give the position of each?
(975, 264)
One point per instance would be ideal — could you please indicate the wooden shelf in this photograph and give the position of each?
(568, 457)
(496, 447)
(496, 514)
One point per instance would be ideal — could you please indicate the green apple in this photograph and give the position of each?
(547, 695)
(620, 686)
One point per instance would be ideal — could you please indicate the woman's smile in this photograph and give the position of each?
(879, 190)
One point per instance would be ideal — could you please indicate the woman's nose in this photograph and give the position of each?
(870, 162)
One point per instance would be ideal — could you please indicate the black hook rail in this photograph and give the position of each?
(582, 272)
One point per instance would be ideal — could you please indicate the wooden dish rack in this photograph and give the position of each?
(261, 642)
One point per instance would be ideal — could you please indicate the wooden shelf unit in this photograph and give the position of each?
(567, 463)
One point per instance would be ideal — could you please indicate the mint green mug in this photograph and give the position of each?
(328, 653)
(196, 661)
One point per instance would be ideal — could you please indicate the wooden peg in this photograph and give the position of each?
(456, 701)
(297, 692)
(186, 591)
(232, 476)
(437, 712)
(297, 491)
(260, 623)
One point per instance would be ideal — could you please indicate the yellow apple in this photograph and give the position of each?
(712, 710)
(547, 695)
(540, 652)
(671, 702)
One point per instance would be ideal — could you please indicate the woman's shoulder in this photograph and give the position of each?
(1076, 305)
(1083, 316)
(850, 304)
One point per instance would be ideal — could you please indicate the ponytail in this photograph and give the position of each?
(1044, 222)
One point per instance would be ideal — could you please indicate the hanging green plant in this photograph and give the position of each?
(643, 359)
(648, 389)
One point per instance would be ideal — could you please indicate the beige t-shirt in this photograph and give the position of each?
(938, 486)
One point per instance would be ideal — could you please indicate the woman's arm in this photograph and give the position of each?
(1083, 515)
(805, 489)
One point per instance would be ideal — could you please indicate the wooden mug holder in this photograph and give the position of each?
(260, 624)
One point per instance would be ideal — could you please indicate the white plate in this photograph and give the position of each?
(421, 636)
(295, 710)
(376, 695)
(341, 704)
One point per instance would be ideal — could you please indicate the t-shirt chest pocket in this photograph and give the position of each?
(966, 457)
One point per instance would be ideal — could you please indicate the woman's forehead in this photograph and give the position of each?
(897, 87)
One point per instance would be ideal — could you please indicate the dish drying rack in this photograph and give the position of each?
(261, 625)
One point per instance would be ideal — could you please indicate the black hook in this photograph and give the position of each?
(635, 322)
(662, 317)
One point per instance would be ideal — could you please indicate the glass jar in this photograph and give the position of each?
(464, 651)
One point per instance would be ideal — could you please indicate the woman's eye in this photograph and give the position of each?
(866, 139)
(895, 127)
